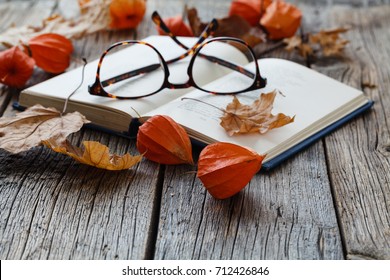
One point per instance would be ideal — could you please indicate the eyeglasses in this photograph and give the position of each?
(137, 69)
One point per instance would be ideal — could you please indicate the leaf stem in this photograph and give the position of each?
(73, 92)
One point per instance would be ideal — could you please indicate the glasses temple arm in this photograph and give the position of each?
(204, 35)
(157, 19)
(213, 25)
(128, 75)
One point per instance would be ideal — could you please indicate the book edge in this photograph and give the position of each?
(277, 160)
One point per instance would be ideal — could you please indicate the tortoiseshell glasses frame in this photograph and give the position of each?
(97, 88)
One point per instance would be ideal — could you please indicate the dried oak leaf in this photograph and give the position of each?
(325, 42)
(330, 41)
(257, 117)
(94, 154)
(27, 129)
(296, 43)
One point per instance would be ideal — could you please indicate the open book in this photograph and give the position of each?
(320, 104)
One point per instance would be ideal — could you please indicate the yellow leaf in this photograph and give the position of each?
(94, 154)
(257, 117)
(27, 129)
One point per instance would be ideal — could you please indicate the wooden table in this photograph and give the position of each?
(330, 201)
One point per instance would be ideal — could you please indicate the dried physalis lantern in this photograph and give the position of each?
(126, 13)
(162, 140)
(16, 67)
(250, 10)
(177, 27)
(226, 168)
(281, 20)
(51, 52)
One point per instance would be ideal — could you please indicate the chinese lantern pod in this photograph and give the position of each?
(177, 27)
(281, 20)
(250, 10)
(16, 67)
(126, 13)
(51, 52)
(162, 140)
(226, 168)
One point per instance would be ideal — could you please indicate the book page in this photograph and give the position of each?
(314, 99)
(61, 86)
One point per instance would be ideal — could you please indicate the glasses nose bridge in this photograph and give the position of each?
(179, 75)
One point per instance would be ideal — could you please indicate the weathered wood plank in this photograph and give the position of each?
(284, 214)
(54, 208)
(11, 14)
(358, 154)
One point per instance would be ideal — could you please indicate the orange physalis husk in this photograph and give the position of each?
(50, 51)
(163, 140)
(15, 67)
(226, 168)
(250, 10)
(281, 20)
(177, 27)
(126, 13)
(94, 154)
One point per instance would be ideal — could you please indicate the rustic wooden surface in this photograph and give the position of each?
(330, 201)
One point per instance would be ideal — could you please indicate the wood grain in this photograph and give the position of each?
(284, 214)
(330, 201)
(358, 154)
(54, 208)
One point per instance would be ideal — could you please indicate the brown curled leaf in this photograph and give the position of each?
(257, 117)
(230, 26)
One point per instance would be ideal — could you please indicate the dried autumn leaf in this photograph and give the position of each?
(296, 43)
(29, 128)
(16, 67)
(329, 41)
(226, 168)
(325, 42)
(231, 26)
(163, 140)
(238, 27)
(94, 154)
(257, 117)
(94, 17)
(195, 23)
